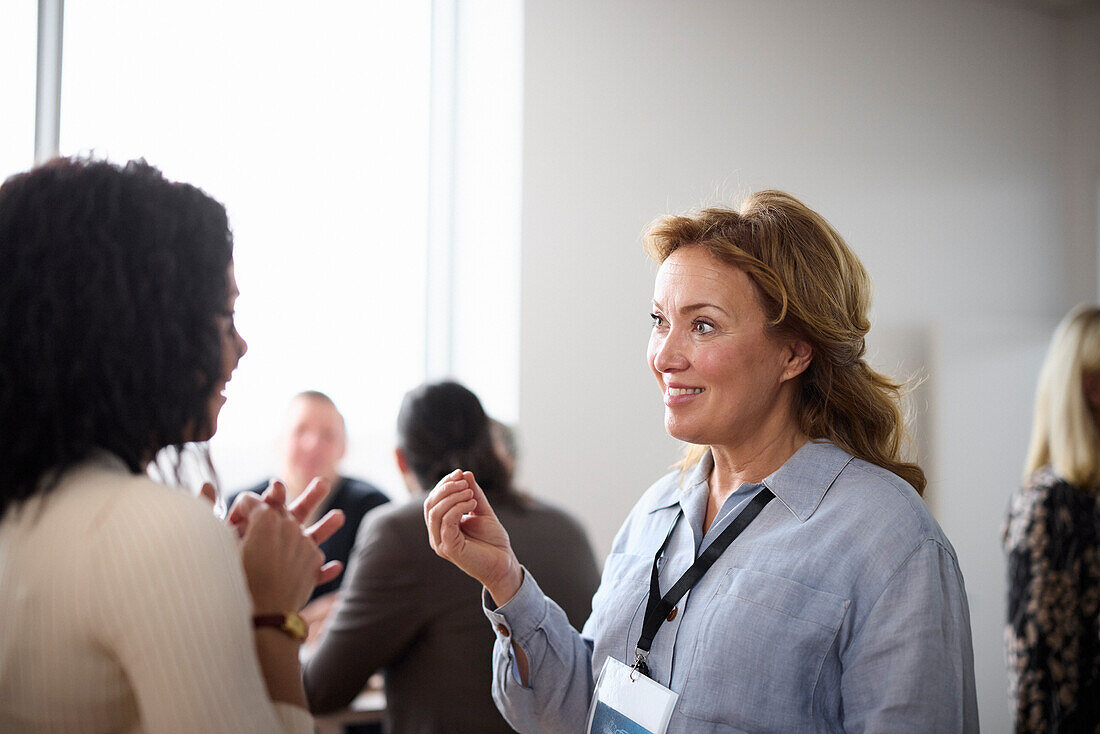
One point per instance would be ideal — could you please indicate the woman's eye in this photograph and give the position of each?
(702, 327)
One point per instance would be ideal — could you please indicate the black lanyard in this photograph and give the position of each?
(658, 607)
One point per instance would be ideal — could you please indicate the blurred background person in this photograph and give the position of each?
(1052, 539)
(507, 445)
(312, 443)
(416, 617)
(128, 606)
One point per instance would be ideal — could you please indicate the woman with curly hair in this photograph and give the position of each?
(786, 577)
(1052, 539)
(128, 606)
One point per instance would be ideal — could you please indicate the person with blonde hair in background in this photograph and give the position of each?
(787, 576)
(1052, 538)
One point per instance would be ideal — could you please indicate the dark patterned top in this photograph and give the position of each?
(1052, 639)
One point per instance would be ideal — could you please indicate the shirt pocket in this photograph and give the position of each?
(618, 606)
(759, 652)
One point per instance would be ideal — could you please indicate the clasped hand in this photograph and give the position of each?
(281, 558)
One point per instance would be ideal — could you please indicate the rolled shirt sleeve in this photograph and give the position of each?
(560, 663)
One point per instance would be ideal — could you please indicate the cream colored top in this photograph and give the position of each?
(124, 608)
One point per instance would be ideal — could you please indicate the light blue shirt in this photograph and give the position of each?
(841, 608)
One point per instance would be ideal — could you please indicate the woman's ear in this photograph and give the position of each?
(402, 461)
(799, 356)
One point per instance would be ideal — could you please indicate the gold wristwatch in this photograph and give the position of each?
(290, 624)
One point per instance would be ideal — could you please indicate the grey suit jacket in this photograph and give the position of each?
(418, 619)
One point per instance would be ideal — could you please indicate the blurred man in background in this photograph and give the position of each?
(312, 443)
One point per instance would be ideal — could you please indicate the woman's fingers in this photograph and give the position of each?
(442, 514)
(299, 545)
(300, 509)
(446, 487)
(275, 494)
(451, 537)
(282, 559)
(483, 506)
(463, 529)
(242, 508)
(310, 498)
(324, 528)
(329, 572)
(300, 560)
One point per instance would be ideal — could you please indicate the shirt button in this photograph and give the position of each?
(672, 615)
(503, 630)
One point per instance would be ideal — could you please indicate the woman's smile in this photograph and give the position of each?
(721, 374)
(679, 395)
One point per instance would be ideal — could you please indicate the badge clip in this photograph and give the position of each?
(640, 665)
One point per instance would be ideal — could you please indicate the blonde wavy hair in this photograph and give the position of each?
(811, 287)
(1064, 434)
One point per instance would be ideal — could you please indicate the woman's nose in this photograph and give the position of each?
(242, 346)
(668, 353)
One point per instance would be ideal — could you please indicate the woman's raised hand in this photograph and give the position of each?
(463, 528)
(245, 509)
(282, 564)
(301, 508)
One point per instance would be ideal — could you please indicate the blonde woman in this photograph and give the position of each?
(787, 576)
(1053, 543)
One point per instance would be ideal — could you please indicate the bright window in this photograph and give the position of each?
(18, 31)
(310, 123)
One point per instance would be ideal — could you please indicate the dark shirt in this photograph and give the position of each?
(355, 497)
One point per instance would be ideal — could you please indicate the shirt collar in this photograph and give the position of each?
(800, 484)
(681, 483)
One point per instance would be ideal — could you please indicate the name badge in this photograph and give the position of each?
(626, 702)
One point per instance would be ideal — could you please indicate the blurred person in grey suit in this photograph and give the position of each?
(416, 617)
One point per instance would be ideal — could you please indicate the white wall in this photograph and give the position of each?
(943, 139)
(1081, 149)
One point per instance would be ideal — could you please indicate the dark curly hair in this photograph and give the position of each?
(112, 281)
(441, 427)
